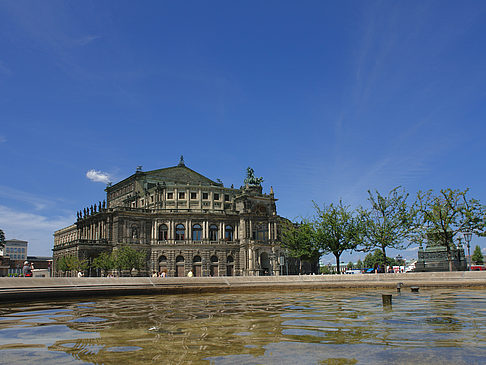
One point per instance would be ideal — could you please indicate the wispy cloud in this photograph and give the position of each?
(83, 41)
(98, 176)
(35, 228)
(37, 202)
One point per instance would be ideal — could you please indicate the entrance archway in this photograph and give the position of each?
(265, 267)
(163, 264)
(230, 266)
(213, 269)
(179, 272)
(197, 265)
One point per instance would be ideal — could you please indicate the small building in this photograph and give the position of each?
(16, 251)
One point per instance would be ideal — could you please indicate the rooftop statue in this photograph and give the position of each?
(251, 179)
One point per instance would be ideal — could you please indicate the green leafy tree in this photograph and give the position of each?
(325, 270)
(337, 229)
(350, 266)
(369, 260)
(445, 215)
(71, 263)
(299, 241)
(127, 258)
(359, 264)
(61, 264)
(78, 264)
(375, 259)
(477, 256)
(104, 261)
(388, 223)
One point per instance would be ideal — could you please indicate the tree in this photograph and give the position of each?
(299, 240)
(447, 214)
(2, 239)
(71, 263)
(104, 261)
(477, 256)
(359, 264)
(388, 223)
(127, 258)
(61, 264)
(77, 264)
(375, 259)
(350, 265)
(337, 229)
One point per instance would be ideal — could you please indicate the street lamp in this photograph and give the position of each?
(467, 238)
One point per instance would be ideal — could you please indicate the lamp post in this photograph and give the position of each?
(467, 238)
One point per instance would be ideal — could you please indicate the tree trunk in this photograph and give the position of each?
(338, 266)
(449, 257)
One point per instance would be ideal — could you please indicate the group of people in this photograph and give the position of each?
(27, 269)
(161, 274)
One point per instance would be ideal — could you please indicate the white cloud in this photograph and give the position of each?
(98, 176)
(36, 229)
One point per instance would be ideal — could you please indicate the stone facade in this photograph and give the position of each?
(185, 222)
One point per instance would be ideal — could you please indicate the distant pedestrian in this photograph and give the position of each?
(27, 269)
(190, 274)
(80, 274)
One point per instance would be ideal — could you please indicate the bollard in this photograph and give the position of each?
(399, 287)
(414, 289)
(387, 300)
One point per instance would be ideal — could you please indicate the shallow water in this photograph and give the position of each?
(313, 327)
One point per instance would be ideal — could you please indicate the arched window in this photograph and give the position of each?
(230, 266)
(163, 265)
(180, 232)
(134, 232)
(213, 232)
(214, 268)
(265, 265)
(228, 233)
(196, 232)
(179, 269)
(163, 232)
(197, 266)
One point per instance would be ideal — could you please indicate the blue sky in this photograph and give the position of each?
(325, 100)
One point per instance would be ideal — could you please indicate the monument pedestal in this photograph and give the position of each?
(434, 258)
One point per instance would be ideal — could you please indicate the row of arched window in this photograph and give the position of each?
(197, 267)
(196, 259)
(180, 232)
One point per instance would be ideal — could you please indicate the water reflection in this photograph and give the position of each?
(326, 327)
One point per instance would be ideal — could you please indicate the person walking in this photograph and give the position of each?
(27, 269)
